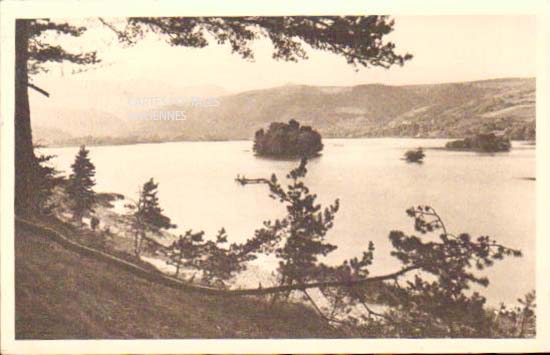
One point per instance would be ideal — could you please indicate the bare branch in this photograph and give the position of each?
(245, 181)
(42, 91)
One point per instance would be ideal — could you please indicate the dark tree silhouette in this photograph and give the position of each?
(359, 39)
(80, 185)
(148, 216)
(214, 261)
(94, 223)
(186, 251)
(298, 239)
(287, 140)
(48, 179)
(31, 52)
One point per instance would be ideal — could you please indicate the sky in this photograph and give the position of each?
(445, 49)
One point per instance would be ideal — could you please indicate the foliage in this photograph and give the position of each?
(439, 270)
(147, 216)
(186, 251)
(80, 185)
(287, 140)
(212, 260)
(41, 51)
(518, 321)
(298, 239)
(521, 131)
(436, 301)
(149, 211)
(359, 39)
(484, 142)
(428, 296)
(414, 156)
(32, 52)
(216, 263)
(47, 180)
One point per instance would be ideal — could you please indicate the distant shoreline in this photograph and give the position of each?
(53, 146)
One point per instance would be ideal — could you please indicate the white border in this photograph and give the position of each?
(68, 8)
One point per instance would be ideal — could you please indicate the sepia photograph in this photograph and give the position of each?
(260, 175)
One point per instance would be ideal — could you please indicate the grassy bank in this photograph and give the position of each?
(63, 295)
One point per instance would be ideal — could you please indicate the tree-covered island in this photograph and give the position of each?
(287, 141)
(483, 142)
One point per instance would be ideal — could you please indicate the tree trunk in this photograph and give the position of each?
(25, 160)
(136, 244)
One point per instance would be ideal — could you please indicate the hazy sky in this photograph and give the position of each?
(445, 49)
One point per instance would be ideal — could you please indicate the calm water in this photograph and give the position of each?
(474, 193)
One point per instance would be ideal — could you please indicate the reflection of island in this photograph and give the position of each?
(287, 140)
(483, 142)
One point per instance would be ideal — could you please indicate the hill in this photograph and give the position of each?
(64, 295)
(450, 110)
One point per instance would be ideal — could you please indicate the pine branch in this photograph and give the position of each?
(42, 91)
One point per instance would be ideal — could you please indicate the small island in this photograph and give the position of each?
(483, 142)
(290, 140)
(414, 156)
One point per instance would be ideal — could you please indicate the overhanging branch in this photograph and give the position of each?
(322, 284)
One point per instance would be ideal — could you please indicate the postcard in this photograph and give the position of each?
(275, 177)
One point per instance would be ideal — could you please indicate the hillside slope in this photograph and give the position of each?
(63, 295)
(373, 110)
(442, 110)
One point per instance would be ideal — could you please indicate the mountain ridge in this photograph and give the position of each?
(442, 110)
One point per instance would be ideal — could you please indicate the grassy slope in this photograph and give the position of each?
(63, 295)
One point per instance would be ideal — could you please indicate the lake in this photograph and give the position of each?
(480, 194)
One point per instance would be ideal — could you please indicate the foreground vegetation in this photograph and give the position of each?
(427, 296)
(63, 295)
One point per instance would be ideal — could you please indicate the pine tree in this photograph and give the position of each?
(435, 300)
(148, 216)
(300, 237)
(360, 40)
(186, 251)
(81, 183)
